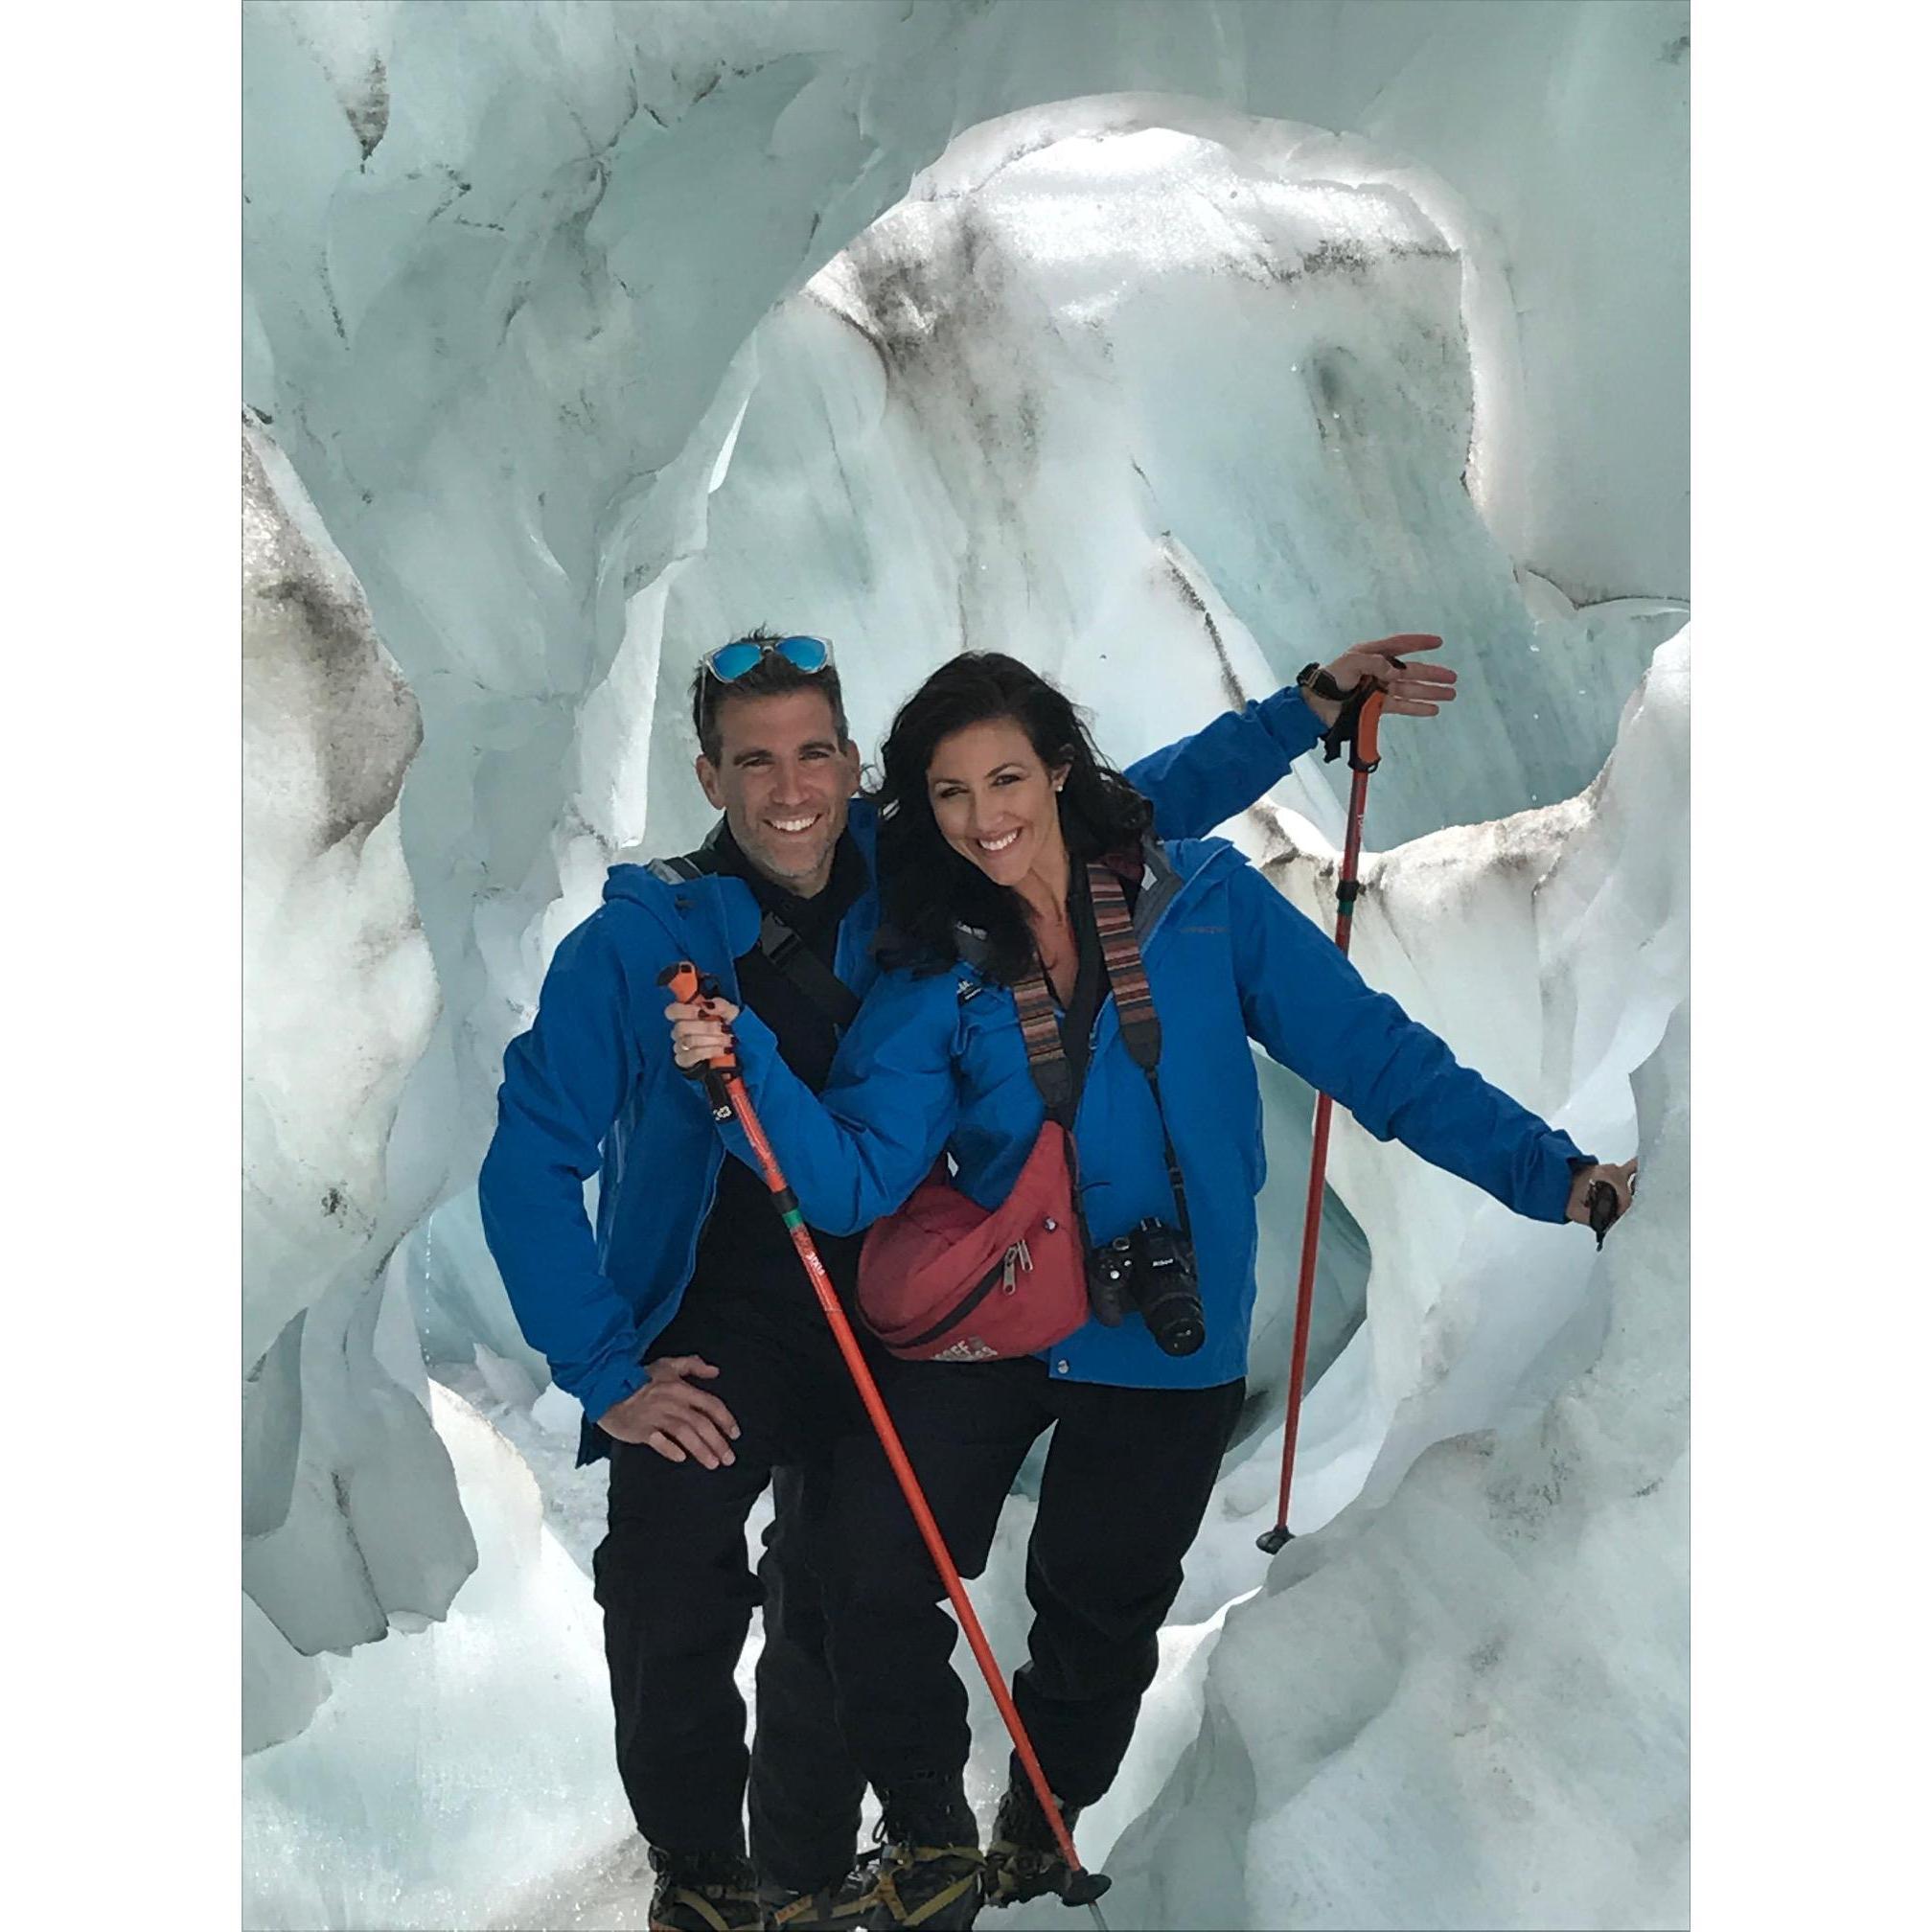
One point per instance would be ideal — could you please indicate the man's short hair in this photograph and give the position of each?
(773, 674)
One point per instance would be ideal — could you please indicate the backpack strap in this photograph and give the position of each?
(697, 865)
(807, 974)
(680, 872)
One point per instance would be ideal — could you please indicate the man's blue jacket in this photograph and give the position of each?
(936, 1061)
(592, 1090)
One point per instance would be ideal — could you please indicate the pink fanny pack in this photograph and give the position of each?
(945, 1280)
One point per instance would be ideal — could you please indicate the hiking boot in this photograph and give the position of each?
(838, 1907)
(931, 1875)
(1025, 1860)
(705, 1892)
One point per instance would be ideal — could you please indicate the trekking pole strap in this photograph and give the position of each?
(1356, 728)
(1355, 725)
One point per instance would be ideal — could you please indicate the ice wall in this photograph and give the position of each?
(510, 275)
(349, 1516)
(397, 1808)
(1166, 413)
(1466, 1707)
(502, 265)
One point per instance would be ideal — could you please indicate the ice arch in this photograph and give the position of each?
(1163, 398)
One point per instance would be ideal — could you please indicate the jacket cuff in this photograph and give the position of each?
(1290, 722)
(757, 1048)
(608, 1388)
(1558, 1159)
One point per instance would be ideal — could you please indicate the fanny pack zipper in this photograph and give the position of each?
(1005, 1273)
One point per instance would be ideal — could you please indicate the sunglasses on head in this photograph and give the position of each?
(731, 661)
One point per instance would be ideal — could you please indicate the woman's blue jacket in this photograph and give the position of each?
(936, 1062)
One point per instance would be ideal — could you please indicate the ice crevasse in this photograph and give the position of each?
(1167, 348)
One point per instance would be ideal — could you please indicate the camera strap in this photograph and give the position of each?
(1132, 1005)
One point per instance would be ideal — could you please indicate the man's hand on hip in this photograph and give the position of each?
(674, 1416)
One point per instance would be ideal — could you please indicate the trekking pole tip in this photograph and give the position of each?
(1275, 1539)
(1084, 1887)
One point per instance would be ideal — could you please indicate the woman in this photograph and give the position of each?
(994, 802)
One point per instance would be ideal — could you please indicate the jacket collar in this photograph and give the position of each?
(1163, 885)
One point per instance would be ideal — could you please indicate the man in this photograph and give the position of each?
(684, 1325)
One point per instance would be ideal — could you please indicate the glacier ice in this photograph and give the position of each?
(350, 1521)
(1465, 1705)
(507, 345)
(399, 1804)
(593, 333)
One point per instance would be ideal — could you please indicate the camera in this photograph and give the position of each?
(1150, 1268)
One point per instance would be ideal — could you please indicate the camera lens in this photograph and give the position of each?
(1165, 1286)
(1178, 1329)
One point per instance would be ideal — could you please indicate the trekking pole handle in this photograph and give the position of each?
(691, 988)
(682, 981)
(1355, 723)
(1604, 1212)
(1363, 753)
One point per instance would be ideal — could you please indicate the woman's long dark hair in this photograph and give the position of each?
(925, 885)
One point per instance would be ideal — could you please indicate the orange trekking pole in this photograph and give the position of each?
(1357, 727)
(729, 1097)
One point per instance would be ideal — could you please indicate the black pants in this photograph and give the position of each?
(1127, 1481)
(677, 1597)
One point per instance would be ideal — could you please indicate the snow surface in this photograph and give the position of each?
(1168, 347)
